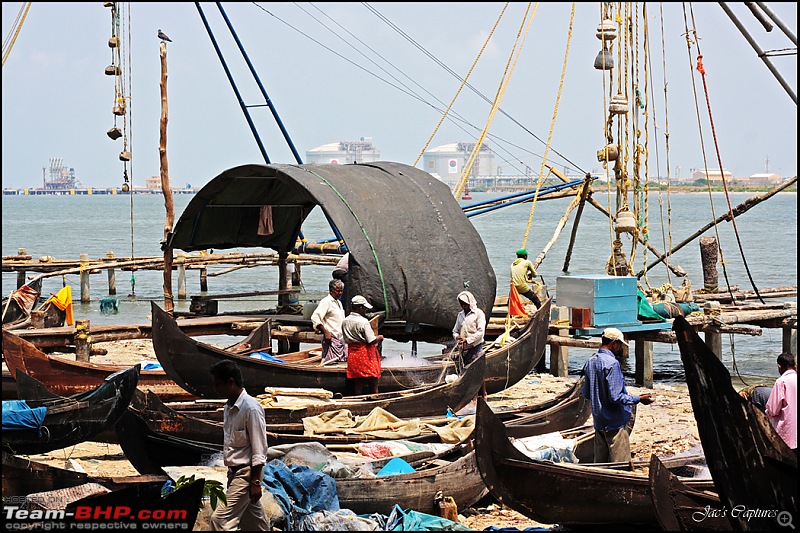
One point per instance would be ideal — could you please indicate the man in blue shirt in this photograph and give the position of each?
(604, 385)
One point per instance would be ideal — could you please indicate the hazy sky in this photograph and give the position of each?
(341, 71)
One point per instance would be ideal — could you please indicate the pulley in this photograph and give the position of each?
(626, 222)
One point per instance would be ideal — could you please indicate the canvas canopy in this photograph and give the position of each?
(412, 249)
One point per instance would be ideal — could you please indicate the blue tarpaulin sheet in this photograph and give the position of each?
(266, 356)
(410, 520)
(300, 490)
(17, 415)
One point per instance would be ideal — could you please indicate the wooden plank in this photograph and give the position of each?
(205, 297)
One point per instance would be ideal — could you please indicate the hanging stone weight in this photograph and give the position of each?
(113, 70)
(626, 222)
(618, 105)
(124, 156)
(609, 152)
(604, 60)
(113, 42)
(114, 133)
(606, 30)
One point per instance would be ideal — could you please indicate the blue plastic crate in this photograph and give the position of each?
(611, 299)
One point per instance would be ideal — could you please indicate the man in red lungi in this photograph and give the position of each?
(363, 359)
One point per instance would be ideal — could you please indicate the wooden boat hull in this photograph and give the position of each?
(507, 366)
(458, 478)
(65, 377)
(178, 509)
(74, 419)
(565, 411)
(680, 508)
(187, 360)
(749, 462)
(21, 477)
(149, 451)
(553, 493)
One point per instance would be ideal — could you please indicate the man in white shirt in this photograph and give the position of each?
(327, 319)
(469, 330)
(244, 450)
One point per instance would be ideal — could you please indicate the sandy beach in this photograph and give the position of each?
(665, 427)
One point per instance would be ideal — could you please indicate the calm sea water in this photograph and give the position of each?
(64, 227)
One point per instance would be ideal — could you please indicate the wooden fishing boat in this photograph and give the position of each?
(420, 402)
(66, 377)
(453, 472)
(749, 462)
(148, 451)
(562, 493)
(682, 508)
(70, 420)
(17, 306)
(22, 476)
(129, 494)
(567, 410)
(142, 503)
(187, 360)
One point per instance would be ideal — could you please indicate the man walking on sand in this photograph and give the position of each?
(244, 450)
(604, 385)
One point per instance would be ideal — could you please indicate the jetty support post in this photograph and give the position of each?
(709, 252)
(203, 279)
(181, 262)
(84, 260)
(789, 344)
(21, 274)
(112, 276)
(559, 355)
(83, 341)
(644, 363)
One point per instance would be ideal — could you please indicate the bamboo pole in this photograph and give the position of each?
(560, 226)
(165, 186)
(584, 194)
(677, 270)
(738, 210)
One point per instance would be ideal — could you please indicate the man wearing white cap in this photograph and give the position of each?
(604, 385)
(363, 359)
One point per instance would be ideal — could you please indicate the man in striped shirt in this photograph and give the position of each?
(604, 385)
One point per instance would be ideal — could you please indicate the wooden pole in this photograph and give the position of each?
(83, 341)
(181, 276)
(738, 210)
(203, 279)
(112, 277)
(85, 297)
(644, 363)
(578, 213)
(560, 226)
(21, 274)
(165, 186)
(709, 252)
(559, 354)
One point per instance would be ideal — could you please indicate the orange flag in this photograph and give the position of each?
(515, 305)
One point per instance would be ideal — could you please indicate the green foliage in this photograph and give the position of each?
(211, 488)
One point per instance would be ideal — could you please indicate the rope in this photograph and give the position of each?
(552, 127)
(702, 71)
(463, 83)
(510, 64)
(666, 147)
(8, 43)
(363, 230)
(689, 42)
(645, 225)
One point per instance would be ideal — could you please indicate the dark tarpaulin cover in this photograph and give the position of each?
(412, 249)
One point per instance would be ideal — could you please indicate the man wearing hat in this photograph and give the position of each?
(604, 386)
(363, 359)
(523, 273)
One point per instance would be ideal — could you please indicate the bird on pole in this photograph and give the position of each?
(163, 36)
